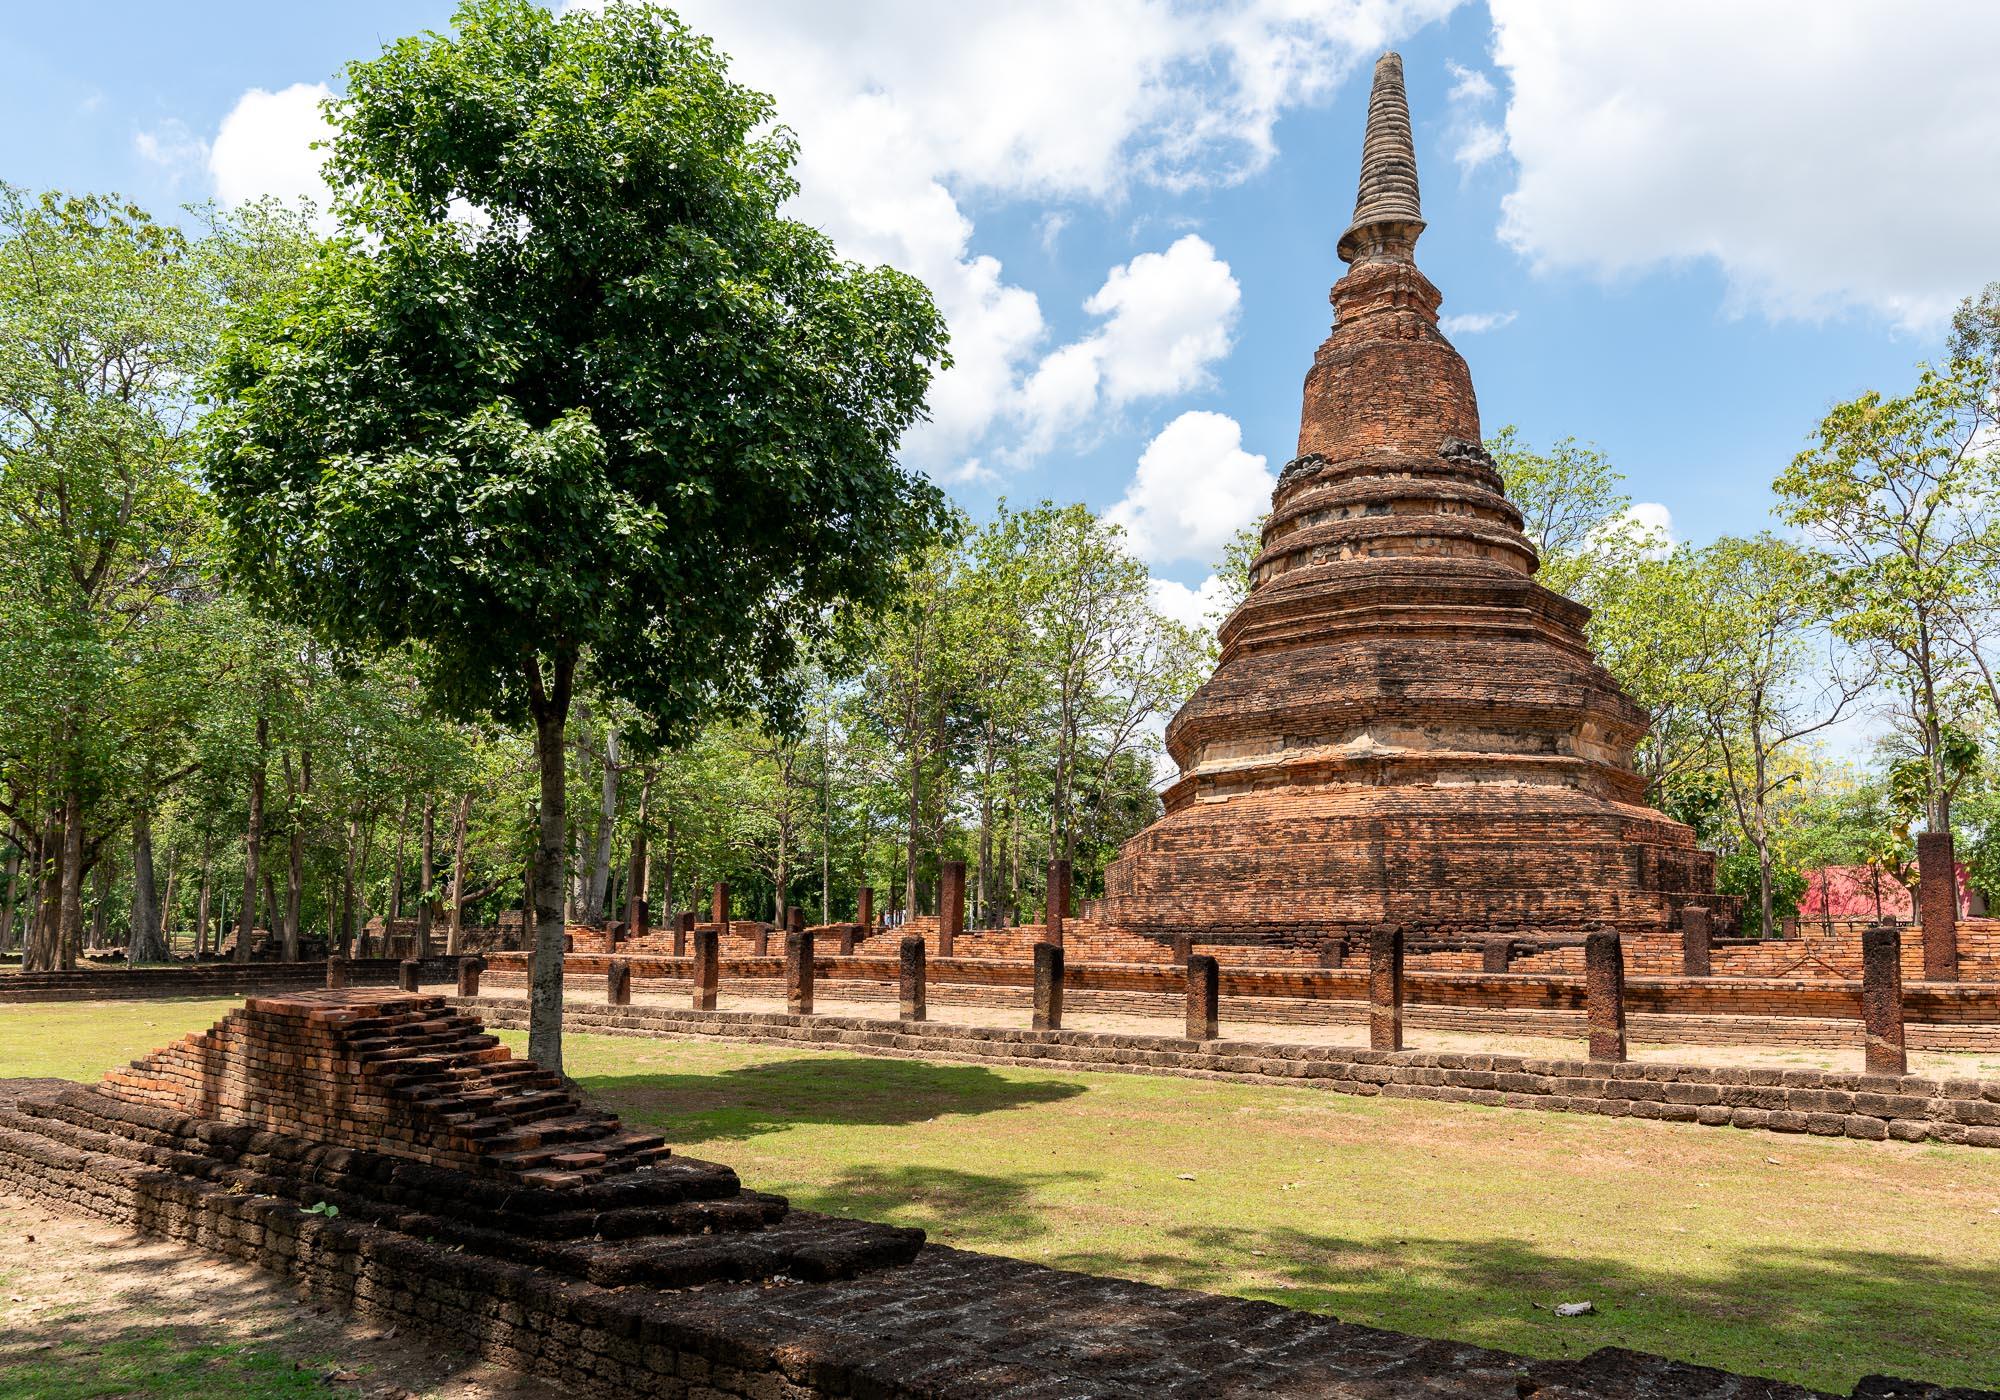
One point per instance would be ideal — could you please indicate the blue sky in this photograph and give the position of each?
(1686, 228)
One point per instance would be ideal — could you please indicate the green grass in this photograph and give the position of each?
(158, 1364)
(1812, 1260)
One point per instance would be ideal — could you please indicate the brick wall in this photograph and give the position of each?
(1874, 1107)
(206, 980)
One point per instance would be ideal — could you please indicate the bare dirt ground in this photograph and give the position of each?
(73, 1289)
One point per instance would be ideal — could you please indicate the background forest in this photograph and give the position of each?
(154, 729)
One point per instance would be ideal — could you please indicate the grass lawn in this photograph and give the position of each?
(1809, 1259)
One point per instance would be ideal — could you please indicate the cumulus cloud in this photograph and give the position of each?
(903, 108)
(1645, 528)
(264, 146)
(1167, 318)
(1824, 157)
(1476, 322)
(1194, 489)
(1191, 607)
(1474, 140)
(173, 147)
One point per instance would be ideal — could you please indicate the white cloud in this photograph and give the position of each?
(1476, 145)
(1468, 84)
(905, 107)
(173, 147)
(1476, 322)
(1167, 318)
(1191, 607)
(264, 146)
(1824, 156)
(1194, 489)
(1646, 526)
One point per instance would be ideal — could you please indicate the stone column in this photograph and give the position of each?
(641, 917)
(1882, 999)
(1182, 948)
(1385, 987)
(1333, 952)
(912, 1005)
(618, 983)
(1937, 905)
(1058, 901)
(1495, 954)
(1048, 986)
(468, 975)
(845, 944)
(798, 971)
(406, 974)
(1204, 995)
(951, 905)
(1604, 994)
(707, 967)
(864, 909)
(683, 926)
(336, 972)
(760, 940)
(719, 907)
(1694, 941)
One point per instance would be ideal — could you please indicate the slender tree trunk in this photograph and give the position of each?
(426, 873)
(253, 842)
(548, 701)
(596, 910)
(667, 892)
(635, 879)
(455, 917)
(42, 953)
(295, 863)
(396, 878)
(69, 890)
(910, 831)
(342, 939)
(9, 881)
(100, 904)
(166, 915)
(146, 945)
(204, 904)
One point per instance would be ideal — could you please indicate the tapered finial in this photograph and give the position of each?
(1387, 214)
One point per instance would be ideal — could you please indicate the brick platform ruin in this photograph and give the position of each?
(477, 1198)
(1403, 724)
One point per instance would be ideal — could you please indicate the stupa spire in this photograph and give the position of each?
(1387, 214)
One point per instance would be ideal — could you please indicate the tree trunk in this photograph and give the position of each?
(596, 911)
(100, 904)
(635, 878)
(426, 872)
(146, 945)
(69, 889)
(342, 941)
(167, 901)
(253, 842)
(9, 879)
(455, 917)
(549, 704)
(204, 905)
(910, 832)
(396, 876)
(295, 863)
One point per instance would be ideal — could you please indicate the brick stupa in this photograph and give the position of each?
(1403, 724)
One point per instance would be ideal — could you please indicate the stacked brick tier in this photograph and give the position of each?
(1403, 724)
(399, 1111)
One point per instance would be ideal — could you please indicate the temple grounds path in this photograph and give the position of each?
(1815, 1260)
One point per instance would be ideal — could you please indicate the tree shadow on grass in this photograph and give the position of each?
(1822, 1317)
(850, 1090)
(999, 1210)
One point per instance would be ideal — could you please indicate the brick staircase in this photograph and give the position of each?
(395, 1110)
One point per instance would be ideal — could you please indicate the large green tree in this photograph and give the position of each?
(573, 405)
